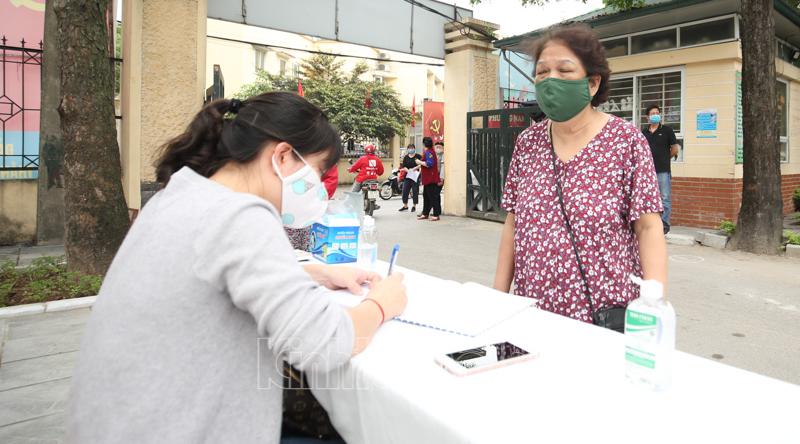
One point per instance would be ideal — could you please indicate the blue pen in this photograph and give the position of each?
(394, 259)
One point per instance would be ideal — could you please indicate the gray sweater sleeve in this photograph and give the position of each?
(253, 262)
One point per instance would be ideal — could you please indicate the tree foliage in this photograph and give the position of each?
(342, 95)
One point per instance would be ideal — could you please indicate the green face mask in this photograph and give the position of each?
(562, 99)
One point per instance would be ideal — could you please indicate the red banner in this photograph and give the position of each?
(433, 120)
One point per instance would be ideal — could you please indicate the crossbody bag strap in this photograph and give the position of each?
(569, 226)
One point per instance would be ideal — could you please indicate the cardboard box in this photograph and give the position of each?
(334, 238)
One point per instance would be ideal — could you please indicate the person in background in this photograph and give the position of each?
(300, 237)
(410, 186)
(584, 168)
(369, 167)
(439, 148)
(664, 146)
(205, 299)
(430, 182)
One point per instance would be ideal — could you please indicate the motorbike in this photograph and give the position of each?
(370, 190)
(391, 186)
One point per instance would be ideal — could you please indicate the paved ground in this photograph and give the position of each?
(736, 308)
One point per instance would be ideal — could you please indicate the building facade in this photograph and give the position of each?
(685, 57)
(237, 52)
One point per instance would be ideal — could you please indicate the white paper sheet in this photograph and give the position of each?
(450, 306)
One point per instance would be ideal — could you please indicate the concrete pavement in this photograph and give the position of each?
(736, 308)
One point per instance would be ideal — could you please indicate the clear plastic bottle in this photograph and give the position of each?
(368, 244)
(649, 337)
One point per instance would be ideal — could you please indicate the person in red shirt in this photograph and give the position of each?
(369, 167)
(331, 181)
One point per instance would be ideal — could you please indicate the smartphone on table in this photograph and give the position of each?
(487, 357)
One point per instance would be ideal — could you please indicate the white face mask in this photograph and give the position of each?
(439, 150)
(303, 198)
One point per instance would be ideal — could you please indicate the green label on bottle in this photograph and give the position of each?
(636, 321)
(644, 362)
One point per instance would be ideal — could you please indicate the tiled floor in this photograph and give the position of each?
(37, 360)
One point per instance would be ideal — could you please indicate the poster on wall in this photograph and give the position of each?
(707, 123)
(739, 133)
(20, 88)
(433, 118)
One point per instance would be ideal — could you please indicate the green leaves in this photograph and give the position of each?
(343, 97)
(46, 279)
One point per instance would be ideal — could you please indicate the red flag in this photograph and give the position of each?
(414, 111)
(300, 88)
(368, 97)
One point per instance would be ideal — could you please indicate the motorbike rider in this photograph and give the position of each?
(369, 167)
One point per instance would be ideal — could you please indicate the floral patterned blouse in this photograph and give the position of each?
(608, 185)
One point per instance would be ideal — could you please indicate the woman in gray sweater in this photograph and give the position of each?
(205, 299)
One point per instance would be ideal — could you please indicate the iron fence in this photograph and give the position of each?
(20, 86)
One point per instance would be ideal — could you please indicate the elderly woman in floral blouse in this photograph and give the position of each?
(608, 191)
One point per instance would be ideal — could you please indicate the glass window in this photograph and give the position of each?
(283, 67)
(663, 90)
(654, 41)
(708, 32)
(261, 57)
(616, 47)
(783, 116)
(620, 99)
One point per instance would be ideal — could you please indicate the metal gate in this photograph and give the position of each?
(491, 136)
(20, 73)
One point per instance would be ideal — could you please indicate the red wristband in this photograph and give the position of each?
(383, 316)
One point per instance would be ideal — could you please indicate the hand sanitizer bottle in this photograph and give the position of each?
(649, 337)
(368, 244)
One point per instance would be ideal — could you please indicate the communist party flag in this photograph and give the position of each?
(368, 97)
(414, 111)
(300, 88)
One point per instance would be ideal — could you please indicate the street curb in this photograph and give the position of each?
(47, 307)
(793, 251)
(715, 240)
(679, 239)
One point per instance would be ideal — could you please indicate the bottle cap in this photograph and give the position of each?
(649, 289)
(368, 220)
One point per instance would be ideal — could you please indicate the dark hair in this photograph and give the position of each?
(652, 107)
(584, 43)
(211, 141)
(427, 142)
(439, 143)
(411, 145)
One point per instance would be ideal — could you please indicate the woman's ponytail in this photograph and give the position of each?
(197, 146)
(211, 141)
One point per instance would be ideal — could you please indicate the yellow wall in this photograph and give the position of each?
(17, 210)
(710, 73)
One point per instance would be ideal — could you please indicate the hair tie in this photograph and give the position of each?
(234, 106)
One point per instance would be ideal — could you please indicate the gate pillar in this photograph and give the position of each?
(472, 83)
(163, 83)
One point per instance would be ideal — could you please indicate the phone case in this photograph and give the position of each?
(457, 369)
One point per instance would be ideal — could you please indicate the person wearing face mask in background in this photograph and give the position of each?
(205, 299)
(439, 149)
(411, 185)
(664, 146)
(600, 167)
(430, 182)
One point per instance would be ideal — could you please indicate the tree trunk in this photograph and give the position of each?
(96, 211)
(758, 229)
(50, 196)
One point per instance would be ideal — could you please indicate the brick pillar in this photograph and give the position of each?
(472, 84)
(163, 83)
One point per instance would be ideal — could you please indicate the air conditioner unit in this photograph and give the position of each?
(384, 56)
(384, 67)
